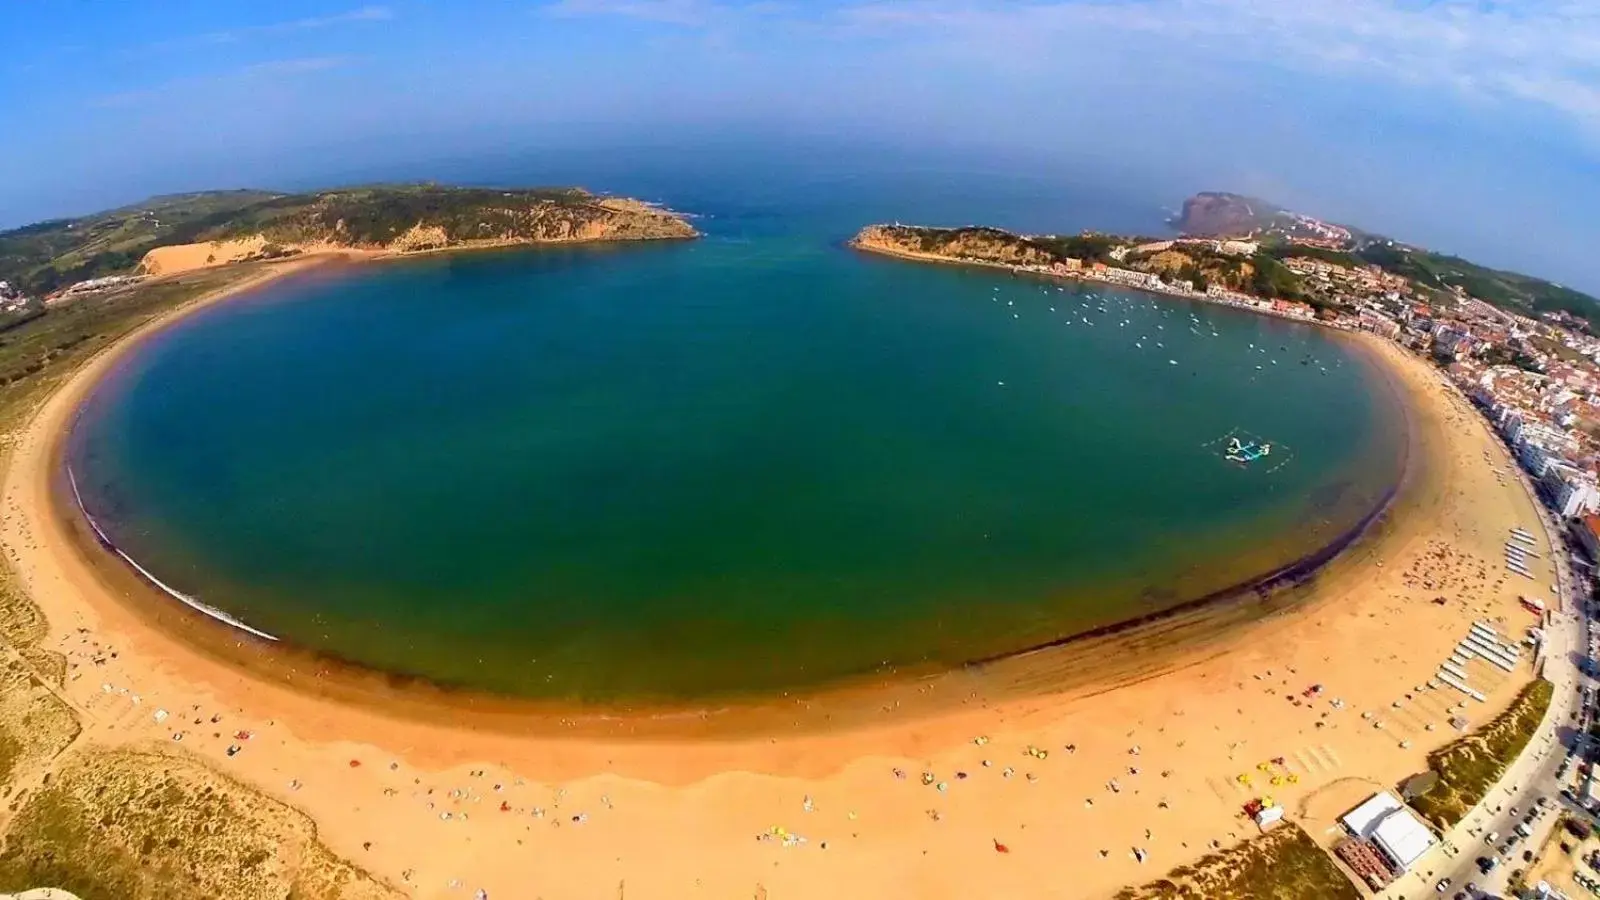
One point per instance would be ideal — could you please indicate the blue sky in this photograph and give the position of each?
(1471, 125)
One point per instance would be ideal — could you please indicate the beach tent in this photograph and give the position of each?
(1363, 819)
(1267, 815)
(1403, 838)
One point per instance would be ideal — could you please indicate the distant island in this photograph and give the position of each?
(1248, 251)
(180, 232)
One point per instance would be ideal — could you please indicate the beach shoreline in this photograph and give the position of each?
(910, 692)
(1148, 734)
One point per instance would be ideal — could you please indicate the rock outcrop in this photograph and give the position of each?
(1219, 214)
(986, 245)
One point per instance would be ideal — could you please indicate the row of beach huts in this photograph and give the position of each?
(1521, 546)
(1484, 643)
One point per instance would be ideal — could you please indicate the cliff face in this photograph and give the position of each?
(428, 219)
(1216, 214)
(973, 244)
(412, 219)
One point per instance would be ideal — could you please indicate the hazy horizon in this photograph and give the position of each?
(1469, 127)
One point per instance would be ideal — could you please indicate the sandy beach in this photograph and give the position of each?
(960, 785)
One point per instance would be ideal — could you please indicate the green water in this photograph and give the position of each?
(743, 464)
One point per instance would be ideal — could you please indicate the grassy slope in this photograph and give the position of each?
(1507, 290)
(1468, 766)
(1284, 864)
(1437, 271)
(40, 258)
(374, 215)
(124, 825)
(50, 254)
(1261, 275)
(119, 824)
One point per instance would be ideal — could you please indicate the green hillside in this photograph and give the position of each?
(1507, 290)
(43, 257)
(377, 215)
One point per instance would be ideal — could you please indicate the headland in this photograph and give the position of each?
(1232, 273)
(1139, 739)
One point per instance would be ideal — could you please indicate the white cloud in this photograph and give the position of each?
(364, 14)
(670, 12)
(1544, 52)
(250, 76)
(1538, 51)
(295, 66)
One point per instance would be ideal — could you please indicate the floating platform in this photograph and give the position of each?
(1247, 450)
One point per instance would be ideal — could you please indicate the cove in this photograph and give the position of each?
(751, 464)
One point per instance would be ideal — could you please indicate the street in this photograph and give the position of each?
(1548, 764)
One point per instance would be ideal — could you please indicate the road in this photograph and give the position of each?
(1534, 773)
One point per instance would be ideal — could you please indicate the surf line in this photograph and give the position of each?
(176, 594)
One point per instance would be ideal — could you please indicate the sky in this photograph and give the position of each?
(1471, 126)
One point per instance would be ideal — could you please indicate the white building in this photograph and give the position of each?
(1572, 491)
(1134, 278)
(1538, 445)
(1392, 828)
(1379, 324)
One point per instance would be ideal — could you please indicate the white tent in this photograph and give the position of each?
(1363, 819)
(1403, 838)
(1392, 828)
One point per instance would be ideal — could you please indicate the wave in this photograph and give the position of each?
(176, 594)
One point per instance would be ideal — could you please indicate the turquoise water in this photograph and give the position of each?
(753, 462)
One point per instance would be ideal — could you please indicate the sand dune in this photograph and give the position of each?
(178, 258)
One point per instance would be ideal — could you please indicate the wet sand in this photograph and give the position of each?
(1172, 713)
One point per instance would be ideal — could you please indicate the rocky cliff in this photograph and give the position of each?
(987, 245)
(1220, 214)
